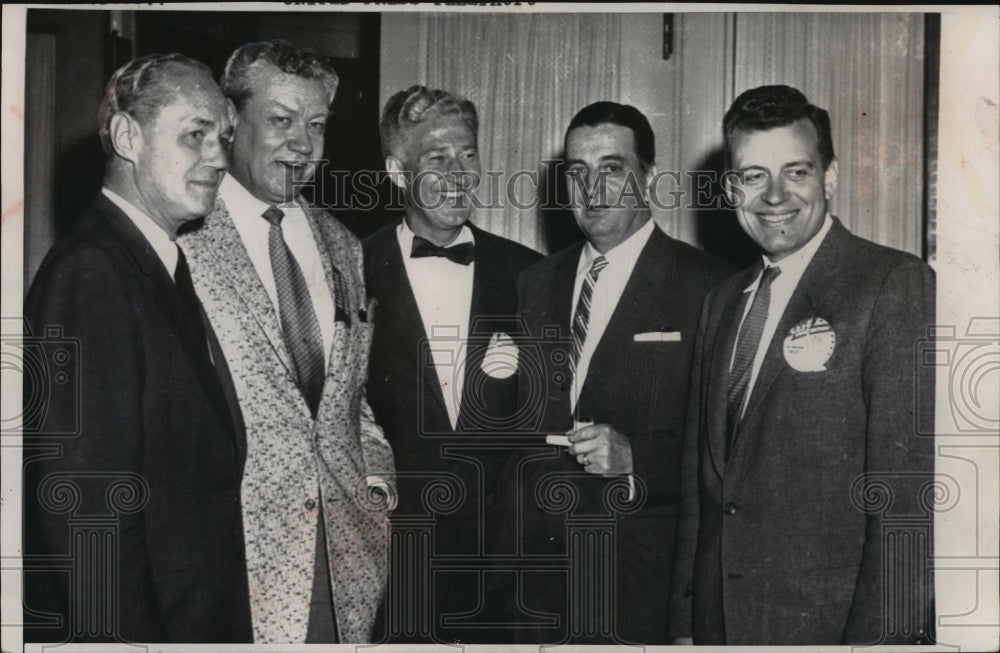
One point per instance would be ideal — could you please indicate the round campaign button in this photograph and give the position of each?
(809, 345)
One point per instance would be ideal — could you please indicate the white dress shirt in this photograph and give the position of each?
(443, 290)
(159, 240)
(247, 213)
(607, 292)
(792, 267)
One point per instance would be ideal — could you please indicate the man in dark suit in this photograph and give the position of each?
(626, 302)
(446, 295)
(807, 489)
(133, 528)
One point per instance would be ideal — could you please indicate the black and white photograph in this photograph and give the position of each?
(500, 327)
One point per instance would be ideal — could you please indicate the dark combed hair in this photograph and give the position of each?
(767, 107)
(625, 115)
(141, 88)
(302, 62)
(407, 109)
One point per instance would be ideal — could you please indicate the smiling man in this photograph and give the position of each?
(805, 512)
(627, 299)
(151, 472)
(283, 286)
(444, 288)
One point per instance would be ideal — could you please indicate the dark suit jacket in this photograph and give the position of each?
(820, 520)
(639, 388)
(406, 399)
(156, 449)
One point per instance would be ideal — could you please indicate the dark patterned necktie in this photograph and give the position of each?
(747, 343)
(582, 316)
(298, 318)
(190, 301)
(463, 253)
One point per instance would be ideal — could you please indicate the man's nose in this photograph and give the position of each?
(299, 141)
(461, 172)
(776, 192)
(214, 154)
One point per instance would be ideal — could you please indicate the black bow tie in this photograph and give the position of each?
(463, 253)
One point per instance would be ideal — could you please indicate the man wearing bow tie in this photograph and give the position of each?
(807, 489)
(443, 288)
(627, 300)
(283, 286)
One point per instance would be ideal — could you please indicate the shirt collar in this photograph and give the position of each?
(158, 239)
(793, 265)
(241, 203)
(405, 235)
(625, 252)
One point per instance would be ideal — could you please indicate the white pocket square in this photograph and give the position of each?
(500, 361)
(657, 336)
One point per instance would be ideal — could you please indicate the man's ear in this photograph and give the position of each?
(126, 136)
(396, 170)
(232, 113)
(648, 181)
(727, 187)
(830, 178)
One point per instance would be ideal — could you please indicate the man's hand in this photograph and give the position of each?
(601, 450)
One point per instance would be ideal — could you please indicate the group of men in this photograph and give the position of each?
(285, 435)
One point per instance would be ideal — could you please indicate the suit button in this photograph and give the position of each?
(729, 509)
(310, 504)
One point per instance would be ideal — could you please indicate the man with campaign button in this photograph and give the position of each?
(805, 518)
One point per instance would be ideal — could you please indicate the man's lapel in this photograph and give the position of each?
(487, 289)
(185, 313)
(806, 300)
(232, 262)
(408, 329)
(722, 354)
(553, 310)
(643, 293)
(336, 262)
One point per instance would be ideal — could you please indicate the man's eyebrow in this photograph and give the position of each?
(204, 122)
(807, 163)
(613, 157)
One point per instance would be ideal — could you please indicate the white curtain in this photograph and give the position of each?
(527, 74)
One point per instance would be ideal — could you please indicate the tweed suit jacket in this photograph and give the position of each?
(151, 438)
(796, 539)
(295, 463)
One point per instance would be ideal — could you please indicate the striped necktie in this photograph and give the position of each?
(747, 343)
(582, 315)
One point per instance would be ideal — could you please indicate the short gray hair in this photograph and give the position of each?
(407, 109)
(286, 57)
(139, 89)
